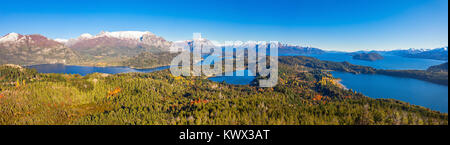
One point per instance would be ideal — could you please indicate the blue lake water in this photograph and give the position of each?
(239, 77)
(413, 91)
(84, 70)
(389, 61)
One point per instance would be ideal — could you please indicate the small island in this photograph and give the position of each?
(368, 56)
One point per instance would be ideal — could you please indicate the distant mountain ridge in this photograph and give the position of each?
(294, 49)
(115, 48)
(436, 53)
(121, 43)
(34, 49)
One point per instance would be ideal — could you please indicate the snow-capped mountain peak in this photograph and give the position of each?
(115, 42)
(419, 50)
(15, 38)
(125, 34)
(10, 37)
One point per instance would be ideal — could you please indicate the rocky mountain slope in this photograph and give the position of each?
(121, 43)
(34, 49)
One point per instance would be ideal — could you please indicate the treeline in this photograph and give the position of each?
(434, 77)
(439, 68)
(326, 65)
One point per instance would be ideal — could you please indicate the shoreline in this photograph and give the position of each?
(339, 82)
(104, 66)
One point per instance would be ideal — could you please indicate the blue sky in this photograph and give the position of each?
(344, 25)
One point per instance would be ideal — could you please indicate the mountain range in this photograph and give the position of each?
(135, 48)
(436, 53)
(34, 49)
(106, 48)
(294, 49)
(124, 43)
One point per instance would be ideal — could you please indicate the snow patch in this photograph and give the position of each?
(10, 37)
(125, 34)
(61, 40)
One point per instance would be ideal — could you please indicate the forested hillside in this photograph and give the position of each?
(150, 60)
(438, 77)
(304, 95)
(439, 68)
(373, 56)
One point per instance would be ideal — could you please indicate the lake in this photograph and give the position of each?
(239, 77)
(389, 61)
(413, 91)
(84, 70)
